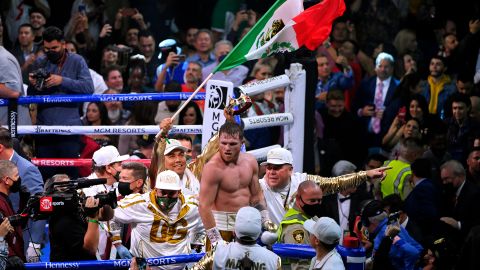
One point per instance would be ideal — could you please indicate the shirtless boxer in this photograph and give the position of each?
(229, 182)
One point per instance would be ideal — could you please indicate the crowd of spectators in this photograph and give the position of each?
(397, 82)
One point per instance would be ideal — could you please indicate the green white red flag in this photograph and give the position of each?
(285, 27)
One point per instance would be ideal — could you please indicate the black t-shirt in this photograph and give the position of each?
(66, 239)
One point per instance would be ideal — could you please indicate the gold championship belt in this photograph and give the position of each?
(243, 102)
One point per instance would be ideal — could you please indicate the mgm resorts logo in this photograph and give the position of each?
(218, 97)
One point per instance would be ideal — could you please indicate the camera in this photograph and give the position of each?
(393, 218)
(63, 198)
(40, 75)
(15, 220)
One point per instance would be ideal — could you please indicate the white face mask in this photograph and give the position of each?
(114, 115)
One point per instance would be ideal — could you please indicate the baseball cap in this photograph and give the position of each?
(343, 167)
(278, 156)
(173, 144)
(248, 223)
(108, 155)
(146, 140)
(372, 209)
(325, 229)
(168, 180)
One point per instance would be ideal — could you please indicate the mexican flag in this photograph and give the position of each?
(285, 28)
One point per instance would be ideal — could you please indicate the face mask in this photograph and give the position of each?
(166, 203)
(312, 210)
(53, 56)
(124, 188)
(16, 186)
(220, 59)
(449, 189)
(116, 175)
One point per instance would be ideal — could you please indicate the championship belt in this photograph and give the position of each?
(242, 103)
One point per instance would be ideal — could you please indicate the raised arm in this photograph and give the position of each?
(158, 159)
(332, 185)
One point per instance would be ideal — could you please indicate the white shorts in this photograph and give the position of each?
(225, 220)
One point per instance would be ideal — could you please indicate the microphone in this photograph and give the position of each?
(84, 183)
(81, 183)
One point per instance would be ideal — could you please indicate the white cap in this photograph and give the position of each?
(108, 155)
(173, 144)
(168, 180)
(248, 223)
(166, 44)
(343, 167)
(325, 229)
(278, 156)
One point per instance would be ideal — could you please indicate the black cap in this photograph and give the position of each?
(372, 209)
(146, 140)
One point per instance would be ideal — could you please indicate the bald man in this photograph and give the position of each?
(307, 205)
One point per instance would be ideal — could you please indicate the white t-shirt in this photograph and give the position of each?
(277, 201)
(190, 184)
(331, 261)
(227, 256)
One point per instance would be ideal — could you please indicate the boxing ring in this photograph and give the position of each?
(292, 121)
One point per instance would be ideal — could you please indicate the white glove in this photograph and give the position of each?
(33, 252)
(214, 236)
(268, 238)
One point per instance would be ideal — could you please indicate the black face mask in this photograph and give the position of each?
(449, 189)
(116, 175)
(312, 210)
(124, 188)
(16, 186)
(220, 59)
(53, 56)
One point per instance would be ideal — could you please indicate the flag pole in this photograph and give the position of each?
(186, 102)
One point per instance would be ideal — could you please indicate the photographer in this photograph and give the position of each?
(59, 72)
(393, 248)
(106, 164)
(74, 235)
(10, 182)
(32, 183)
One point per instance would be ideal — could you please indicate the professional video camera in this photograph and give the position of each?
(40, 75)
(62, 198)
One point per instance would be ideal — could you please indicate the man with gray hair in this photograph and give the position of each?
(374, 100)
(235, 75)
(10, 182)
(344, 206)
(461, 214)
